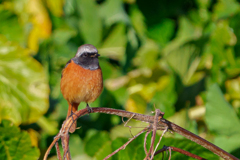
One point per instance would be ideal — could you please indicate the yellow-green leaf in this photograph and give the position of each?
(23, 84)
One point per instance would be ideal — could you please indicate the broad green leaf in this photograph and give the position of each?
(90, 24)
(188, 146)
(23, 85)
(187, 31)
(121, 95)
(184, 61)
(62, 36)
(16, 144)
(103, 152)
(227, 143)
(162, 32)
(114, 44)
(138, 22)
(222, 57)
(132, 151)
(95, 143)
(220, 116)
(16, 31)
(112, 12)
(146, 56)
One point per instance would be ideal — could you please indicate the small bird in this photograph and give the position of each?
(81, 80)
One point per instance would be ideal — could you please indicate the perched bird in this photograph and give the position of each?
(81, 80)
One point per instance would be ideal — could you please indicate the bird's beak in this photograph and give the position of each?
(95, 55)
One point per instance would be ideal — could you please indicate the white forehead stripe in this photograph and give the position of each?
(86, 48)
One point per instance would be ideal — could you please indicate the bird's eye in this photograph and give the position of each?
(84, 54)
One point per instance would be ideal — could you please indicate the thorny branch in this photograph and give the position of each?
(161, 125)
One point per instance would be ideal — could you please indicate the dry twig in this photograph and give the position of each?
(124, 146)
(145, 142)
(159, 141)
(154, 130)
(125, 124)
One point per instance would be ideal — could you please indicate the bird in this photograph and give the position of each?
(81, 80)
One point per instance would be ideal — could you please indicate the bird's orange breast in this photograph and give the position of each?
(81, 85)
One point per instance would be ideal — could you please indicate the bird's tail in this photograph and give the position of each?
(72, 108)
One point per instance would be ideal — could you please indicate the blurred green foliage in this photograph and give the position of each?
(182, 57)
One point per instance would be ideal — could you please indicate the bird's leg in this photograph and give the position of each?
(90, 110)
(72, 113)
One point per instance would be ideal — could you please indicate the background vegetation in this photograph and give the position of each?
(182, 57)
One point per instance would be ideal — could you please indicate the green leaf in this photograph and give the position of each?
(227, 143)
(184, 61)
(189, 146)
(95, 143)
(162, 32)
(75, 144)
(138, 21)
(16, 31)
(133, 151)
(115, 43)
(187, 31)
(225, 8)
(23, 85)
(90, 23)
(143, 58)
(112, 12)
(123, 154)
(220, 116)
(62, 36)
(103, 152)
(14, 144)
(165, 98)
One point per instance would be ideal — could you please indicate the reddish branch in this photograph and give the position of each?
(162, 123)
(165, 148)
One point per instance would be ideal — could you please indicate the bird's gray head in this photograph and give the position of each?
(87, 57)
(87, 50)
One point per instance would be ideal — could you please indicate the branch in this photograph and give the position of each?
(124, 146)
(159, 140)
(58, 151)
(154, 126)
(165, 148)
(56, 138)
(162, 124)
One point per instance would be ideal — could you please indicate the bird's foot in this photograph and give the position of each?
(71, 115)
(90, 110)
